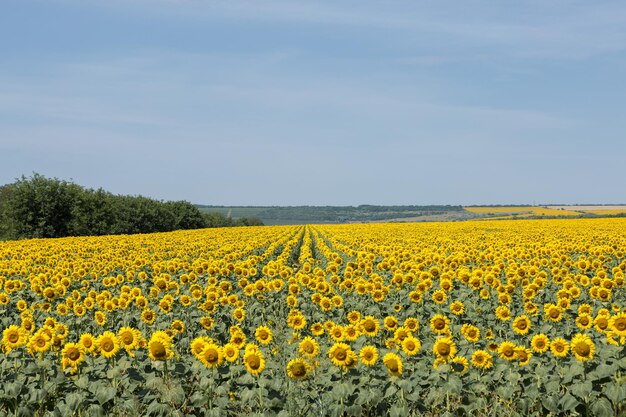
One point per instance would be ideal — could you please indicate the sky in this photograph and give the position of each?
(290, 102)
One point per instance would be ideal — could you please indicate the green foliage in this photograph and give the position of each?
(40, 207)
(332, 214)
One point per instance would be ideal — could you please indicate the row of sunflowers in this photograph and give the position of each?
(490, 318)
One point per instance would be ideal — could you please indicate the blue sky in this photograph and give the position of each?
(318, 102)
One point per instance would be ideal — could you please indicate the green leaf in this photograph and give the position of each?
(615, 392)
(553, 386)
(198, 400)
(575, 370)
(523, 404)
(13, 389)
(398, 411)
(602, 408)
(105, 394)
(74, 401)
(95, 411)
(603, 370)
(247, 395)
(582, 389)
(506, 392)
(82, 382)
(391, 390)
(354, 410)
(550, 403)
(455, 385)
(568, 402)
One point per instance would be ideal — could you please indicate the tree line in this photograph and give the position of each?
(40, 207)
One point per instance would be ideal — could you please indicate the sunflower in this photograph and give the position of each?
(521, 325)
(368, 355)
(340, 354)
(39, 343)
(410, 346)
(354, 316)
(470, 332)
(459, 364)
(390, 343)
(159, 346)
(438, 362)
(298, 322)
(617, 324)
(211, 355)
(439, 296)
(415, 296)
(71, 356)
(584, 321)
(254, 361)
(507, 350)
(457, 308)
(559, 347)
(540, 343)
(439, 324)
(317, 329)
(238, 339)
(444, 348)
(108, 344)
(601, 323)
(393, 364)
(148, 316)
(503, 313)
(390, 323)
(524, 355)
(351, 332)
(482, 359)
(582, 347)
(263, 335)
(251, 347)
(370, 326)
(178, 326)
(239, 314)
(100, 318)
(326, 304)
(197, 345)
(231, 352)
(401, 333)
(13, 337)
(308, 347)
(337, 333)
(412, 324)
(129, 338)
(297, 369)
(585, 309)
(554, 313)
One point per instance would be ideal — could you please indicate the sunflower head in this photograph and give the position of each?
(108, 344)
(582, 347)
(444, 348)
(482, 359)
(254, 361)
(297, 369)
(211, 356)
(368, 355)
(559, 347)
(540, 343)
(393, 363)
(411, 346)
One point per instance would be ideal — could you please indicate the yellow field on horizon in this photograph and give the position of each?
(522, 211)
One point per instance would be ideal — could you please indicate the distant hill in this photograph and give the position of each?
(339, 214)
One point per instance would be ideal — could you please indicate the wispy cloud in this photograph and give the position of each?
(555, 30)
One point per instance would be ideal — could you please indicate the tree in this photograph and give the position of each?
(40, 207)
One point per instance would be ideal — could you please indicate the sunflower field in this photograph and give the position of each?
(498, 318)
